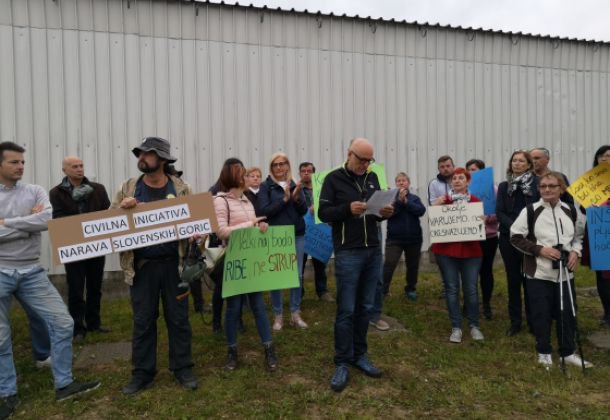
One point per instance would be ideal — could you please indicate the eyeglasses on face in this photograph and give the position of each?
(548, 186)
(362, 160)
(279, 164)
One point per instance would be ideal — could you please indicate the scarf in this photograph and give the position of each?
(521, 182)
(459, 198)
(80, 194)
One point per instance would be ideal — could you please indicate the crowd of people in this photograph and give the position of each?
(536, 227)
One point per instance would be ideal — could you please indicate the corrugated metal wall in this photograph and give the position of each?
(92, 77)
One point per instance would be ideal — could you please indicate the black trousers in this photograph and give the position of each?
(319, 269)
(393, 251)
(544, 298)
(154, 280)
(197, 293)
(486, 274)
(603, 289)
(81, 275)
(515, 281)
(218, 301)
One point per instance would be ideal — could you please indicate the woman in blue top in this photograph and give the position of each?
(404, 234)
(282, 201)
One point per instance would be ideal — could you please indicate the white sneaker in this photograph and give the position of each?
(545, 360)
(297, 321)
(456, 335)
(576, 360)
(46, 363)
(476, 334)
(278, 323)
(381, 325)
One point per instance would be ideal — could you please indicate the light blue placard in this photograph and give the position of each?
(318, 239)
(482, 186)
(598, 227)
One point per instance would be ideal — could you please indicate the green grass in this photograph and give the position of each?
(424, 375)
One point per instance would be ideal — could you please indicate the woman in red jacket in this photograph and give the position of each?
(460, 261)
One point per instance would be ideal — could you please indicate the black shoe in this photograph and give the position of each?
(136, 385)
(7, 406)
(186, 378)
(79, 338)
(487, 312)
(513, 330)
(365, 365)
(231, 358)
(101, 329)
(74, 389)
(270, 358)
(339, 380)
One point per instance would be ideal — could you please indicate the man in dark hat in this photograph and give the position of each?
(152, 272)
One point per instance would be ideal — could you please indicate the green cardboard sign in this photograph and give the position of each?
(317, 179)
(256, 262)
(379, 169)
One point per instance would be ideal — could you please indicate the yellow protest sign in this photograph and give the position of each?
(593, 187)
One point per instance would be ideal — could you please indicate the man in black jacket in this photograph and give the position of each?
(358, 257)
(76, 195)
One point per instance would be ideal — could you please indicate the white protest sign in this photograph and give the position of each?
(92, 249)
(99, 233)
(458, 222)
(103, 226)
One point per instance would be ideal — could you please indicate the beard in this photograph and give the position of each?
(145, 168)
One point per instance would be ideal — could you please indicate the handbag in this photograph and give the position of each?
(213, 258)
(215, 255)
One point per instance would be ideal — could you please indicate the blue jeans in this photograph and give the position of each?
(233, 314)
(452, 269)
(36, 291)
(41, 344)
(378, 302)
(295, 293)
(358, 272)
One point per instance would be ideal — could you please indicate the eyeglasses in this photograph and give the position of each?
(279, 164)
(548, 186)
(362, 160)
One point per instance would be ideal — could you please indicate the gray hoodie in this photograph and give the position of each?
(20, 233)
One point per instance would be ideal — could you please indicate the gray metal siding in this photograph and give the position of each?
(92, 77)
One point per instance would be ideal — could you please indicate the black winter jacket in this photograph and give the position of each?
(340, 188)
(270, 203)
(508, 207)
(404, 226)
(64, 205)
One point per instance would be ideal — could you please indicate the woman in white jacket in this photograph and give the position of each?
(550, 237)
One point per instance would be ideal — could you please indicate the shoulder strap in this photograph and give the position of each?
(573, 214)
(530, 221)
(228, 208)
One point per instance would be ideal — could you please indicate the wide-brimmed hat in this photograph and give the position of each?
(155, 144)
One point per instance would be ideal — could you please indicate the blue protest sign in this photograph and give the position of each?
(318, 239)
(482, 186)
(598, 228)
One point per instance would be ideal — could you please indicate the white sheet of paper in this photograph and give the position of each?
(379, 200)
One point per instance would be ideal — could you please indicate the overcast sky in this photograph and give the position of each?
(586, 19)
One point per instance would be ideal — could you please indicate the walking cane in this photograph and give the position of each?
(572, 296)
(563, 362)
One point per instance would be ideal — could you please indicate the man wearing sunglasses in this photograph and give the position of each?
(358, 257)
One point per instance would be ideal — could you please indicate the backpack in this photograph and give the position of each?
(530, 218)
